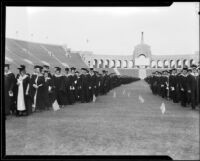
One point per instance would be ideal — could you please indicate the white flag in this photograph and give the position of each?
(55, 106)
(162, 108)
(141, 99)
(94, 98)
(114, 94)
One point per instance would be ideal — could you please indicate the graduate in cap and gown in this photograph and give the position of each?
(65, 88)
(89, 87)
(173, 85)
(48, 91)
(93, 83)
(32, 81)
(72, 83)
(58, 84)
(193, 86)
(9, 84)
(23, 99)
(38, 84)
(78, 86)
(183, 87)
(84, 85)
(46, 69)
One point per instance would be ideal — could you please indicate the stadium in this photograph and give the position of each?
(140, 113)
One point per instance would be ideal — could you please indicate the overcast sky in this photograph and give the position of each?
(109, 30)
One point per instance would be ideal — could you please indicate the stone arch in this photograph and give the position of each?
(130, 64)
(125, 64)
(172, 64)
(107, 63)
(112, 63)
(166, 64)
(185, 62)
(153, 64)
(95, 63)
(159, 64)
(101, 63)
(119, 63)
(192, 61)
(179, 63)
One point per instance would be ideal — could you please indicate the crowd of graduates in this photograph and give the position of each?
(25, 93)
(180, 87)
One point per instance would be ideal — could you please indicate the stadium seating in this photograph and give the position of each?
(29, 53)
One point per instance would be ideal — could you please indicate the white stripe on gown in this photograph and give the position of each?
(20, 96)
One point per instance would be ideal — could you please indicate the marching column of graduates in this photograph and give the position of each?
(25, 93)
(180, 87)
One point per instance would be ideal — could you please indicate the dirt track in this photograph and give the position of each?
(120, 125)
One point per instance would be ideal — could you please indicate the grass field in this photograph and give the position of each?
(120, 125)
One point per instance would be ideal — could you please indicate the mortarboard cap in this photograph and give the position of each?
(22, 67)
(58, 68)
(66, 69)
(73, 68)
(76, 71)
(7, 65)
(46, 66)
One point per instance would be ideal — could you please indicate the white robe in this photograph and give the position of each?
(20, 97)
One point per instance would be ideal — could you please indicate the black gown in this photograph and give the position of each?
(48, 93)
(64, 89)
(40, 94)
(9, 83)
(58, 84)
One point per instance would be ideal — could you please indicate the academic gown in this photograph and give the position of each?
(32, 89)
(84, 88)
(193, 86)
(173, 88)
(39, 97)
(78, 88)
(48, 92)
(65, 90)
(72, 97)
(183, 89)
(9, 83)
(23, 94)
(58, 83)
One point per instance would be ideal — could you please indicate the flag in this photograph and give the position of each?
(114, 94)
(162, 108)
(94, 98)
(55, 106)
(141, 99)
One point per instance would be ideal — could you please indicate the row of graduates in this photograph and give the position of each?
(27, 93)
(180, 86)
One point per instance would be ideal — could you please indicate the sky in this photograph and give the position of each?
(109, 30)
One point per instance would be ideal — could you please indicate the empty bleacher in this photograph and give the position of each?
(29, 53)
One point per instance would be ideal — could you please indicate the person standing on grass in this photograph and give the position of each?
(38, 84)
(9, 84)
(183, 87)
(23, 99)
(193, 86)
